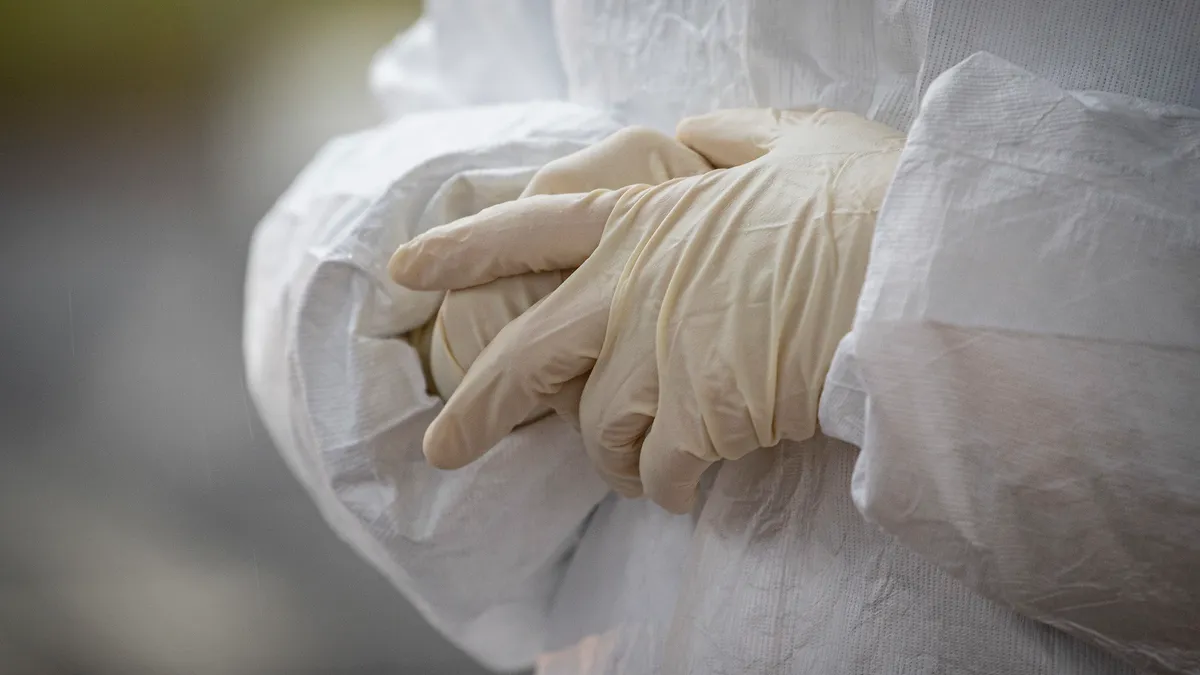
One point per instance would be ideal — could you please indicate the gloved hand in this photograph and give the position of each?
(704, 311)
(470, 318)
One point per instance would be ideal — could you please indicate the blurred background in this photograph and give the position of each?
(146, 523)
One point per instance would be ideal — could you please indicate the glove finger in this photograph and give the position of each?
(619, 403)
(619, 468)
(630, 156)
(670, 474)
(728, 138)
(615, 443)
(527, 365)
(473, 317)
(566, 401)
(538, 234)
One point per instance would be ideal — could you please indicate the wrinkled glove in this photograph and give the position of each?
(704, 311)
(470, 318)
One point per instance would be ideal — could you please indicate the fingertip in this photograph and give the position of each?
(437, 260)
(443, 448)
(679, 506)
(624, 482)
(617, 466)
(671, 477)
(627, 489)
(678, 499)
(401, 269)
(677, 503)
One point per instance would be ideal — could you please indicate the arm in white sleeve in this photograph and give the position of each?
(478, 552)
(1028, 341)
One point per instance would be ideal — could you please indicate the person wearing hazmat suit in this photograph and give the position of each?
(897, 339)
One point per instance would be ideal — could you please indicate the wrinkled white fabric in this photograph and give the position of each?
(784, 576)
(655, 62)
(1029, 343)
(479, 552)
(470, 52)
(455, 543)
(778, 573)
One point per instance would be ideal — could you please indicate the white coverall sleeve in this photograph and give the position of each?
(479, 552)
(1028, 340)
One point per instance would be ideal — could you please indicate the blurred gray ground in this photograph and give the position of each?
(146, 523)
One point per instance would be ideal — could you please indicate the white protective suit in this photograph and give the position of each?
(524, 555)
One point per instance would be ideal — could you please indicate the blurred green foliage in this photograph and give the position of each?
(64, 49)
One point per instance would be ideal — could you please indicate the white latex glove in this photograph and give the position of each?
(470, 318)
(704, 311)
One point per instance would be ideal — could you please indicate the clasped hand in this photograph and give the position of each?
(697, 317)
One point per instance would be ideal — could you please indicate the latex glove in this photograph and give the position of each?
(704, 311)
(470, 318)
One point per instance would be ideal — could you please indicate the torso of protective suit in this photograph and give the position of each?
(525, 557)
